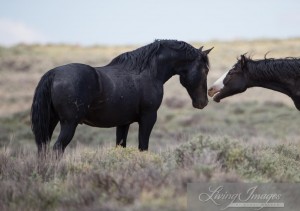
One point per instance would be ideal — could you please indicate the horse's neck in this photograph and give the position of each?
(283, 86)
(164, 72)
(165, 77)
(158, 71)
(289, 87)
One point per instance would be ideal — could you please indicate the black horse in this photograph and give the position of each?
(282, 75)
(129, 89)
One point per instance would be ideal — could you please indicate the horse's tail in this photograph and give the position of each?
(41, 111)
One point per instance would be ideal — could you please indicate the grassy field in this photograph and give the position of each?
(252, 137)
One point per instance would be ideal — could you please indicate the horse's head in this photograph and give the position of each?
(232, 82)
(193, 76)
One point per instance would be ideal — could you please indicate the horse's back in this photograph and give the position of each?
(74, 70)
(76, 77)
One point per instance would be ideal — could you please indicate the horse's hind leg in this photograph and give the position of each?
(66, 134)
(122, 132)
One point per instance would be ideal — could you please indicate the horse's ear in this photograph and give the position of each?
(207, 51)
(200, 49)
(243, 61)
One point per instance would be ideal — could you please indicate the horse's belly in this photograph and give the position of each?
(110, 117)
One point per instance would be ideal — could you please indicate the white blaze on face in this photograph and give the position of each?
(217, 85)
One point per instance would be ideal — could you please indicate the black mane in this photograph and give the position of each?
(140, 59)
(273, 69)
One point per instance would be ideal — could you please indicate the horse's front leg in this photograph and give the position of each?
(121, 133)
(146, 124)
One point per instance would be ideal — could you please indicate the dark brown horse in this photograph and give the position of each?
(282, 75)
(129, 89)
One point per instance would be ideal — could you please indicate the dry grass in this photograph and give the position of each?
(117, 178)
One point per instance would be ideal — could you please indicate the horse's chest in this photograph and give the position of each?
(151, 99)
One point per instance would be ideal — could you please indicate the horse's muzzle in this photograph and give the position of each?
(212, 91)
(200, 105)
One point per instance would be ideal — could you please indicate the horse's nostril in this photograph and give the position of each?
(210, 89)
